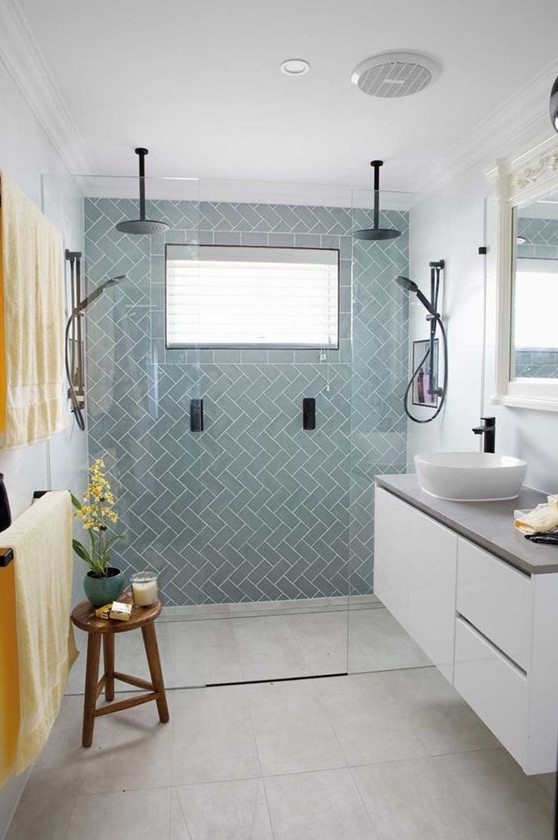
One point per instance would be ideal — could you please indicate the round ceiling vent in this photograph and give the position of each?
(395, 74)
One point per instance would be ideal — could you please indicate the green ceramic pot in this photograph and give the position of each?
(103, 590)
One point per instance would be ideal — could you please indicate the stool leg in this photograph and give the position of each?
(91, 678)
(152, 653)
(108, 656)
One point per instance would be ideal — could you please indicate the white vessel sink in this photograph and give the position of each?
(470, 476)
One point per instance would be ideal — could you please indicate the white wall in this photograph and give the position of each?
(25, 154)
(452, 224)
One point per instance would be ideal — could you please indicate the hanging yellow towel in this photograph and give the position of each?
(9, 675)
(43, 562)
(33, 295)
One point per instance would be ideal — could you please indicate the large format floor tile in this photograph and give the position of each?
(204, 652)
(439, 716)
(130, 750)
(109, 815)
(268, 649)
(212, 734)
(317, 806)
(221, 811)
(368, 724)
(42, 819)
(480, 795)
(377, 642)
(292, 730)
(322, 638)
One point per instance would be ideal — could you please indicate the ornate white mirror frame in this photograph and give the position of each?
(519, 182)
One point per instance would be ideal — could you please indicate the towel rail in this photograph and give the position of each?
(6, 553)
(6, 557)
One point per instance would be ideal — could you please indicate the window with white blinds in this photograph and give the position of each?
(233, 296)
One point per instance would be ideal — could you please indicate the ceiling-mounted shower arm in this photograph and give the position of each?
(376, 233)
(143, 225)
(141, 152)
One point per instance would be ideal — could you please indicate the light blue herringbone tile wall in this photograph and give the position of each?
(254, 508)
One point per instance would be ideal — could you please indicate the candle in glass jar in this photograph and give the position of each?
(144, 589)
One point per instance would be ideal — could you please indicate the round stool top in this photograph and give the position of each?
(83, 616)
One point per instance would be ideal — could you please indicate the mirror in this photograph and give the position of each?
(527, 279)
(534, 328)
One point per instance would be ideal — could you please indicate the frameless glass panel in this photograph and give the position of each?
(231, 467)
(276, 495)
(143, 408)
(379, 375)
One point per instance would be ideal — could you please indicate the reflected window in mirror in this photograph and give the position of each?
(534, 331)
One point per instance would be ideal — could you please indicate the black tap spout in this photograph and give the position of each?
(488, 431)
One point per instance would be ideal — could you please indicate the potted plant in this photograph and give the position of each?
(103, 583)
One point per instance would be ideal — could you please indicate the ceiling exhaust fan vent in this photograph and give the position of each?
(395, 74)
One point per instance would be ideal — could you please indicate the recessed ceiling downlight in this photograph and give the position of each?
(395, 74)
(295, 67)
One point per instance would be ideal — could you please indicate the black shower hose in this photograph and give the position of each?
(417, 370)
(76, 408)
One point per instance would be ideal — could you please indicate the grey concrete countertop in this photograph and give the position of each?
(488, 524)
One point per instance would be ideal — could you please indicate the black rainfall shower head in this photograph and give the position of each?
(376, 233)
(142, 225)
(99, 291)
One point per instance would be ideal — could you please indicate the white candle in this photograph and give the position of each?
(144, 593)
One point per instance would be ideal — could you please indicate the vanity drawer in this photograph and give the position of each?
(494, 687)
(496, 599)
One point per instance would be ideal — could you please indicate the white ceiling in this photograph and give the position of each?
(198, 83)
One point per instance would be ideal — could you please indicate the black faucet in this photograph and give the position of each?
(488, 431)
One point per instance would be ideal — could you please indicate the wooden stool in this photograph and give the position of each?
(83, 616)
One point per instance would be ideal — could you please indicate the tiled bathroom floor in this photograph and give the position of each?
(252, 644)
(395, 755)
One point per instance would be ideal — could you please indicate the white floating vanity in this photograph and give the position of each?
(482, 602)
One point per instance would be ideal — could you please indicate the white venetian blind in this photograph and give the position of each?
(252, 297)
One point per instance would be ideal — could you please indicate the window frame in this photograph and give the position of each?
(259, 345)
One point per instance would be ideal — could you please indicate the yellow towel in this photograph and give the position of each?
(9, 675)
(43, 562)
(541, 519)
(33, 293)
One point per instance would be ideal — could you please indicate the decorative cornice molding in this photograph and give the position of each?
(531, 174)
(21, 56)
(521, 122)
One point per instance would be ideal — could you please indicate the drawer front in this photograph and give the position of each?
(432, 574)
(392, 545)
(497, 600)
(494, 688)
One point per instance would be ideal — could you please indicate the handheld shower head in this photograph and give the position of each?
(411, 286)
(405, 283)
(77, 399)
(82, 306)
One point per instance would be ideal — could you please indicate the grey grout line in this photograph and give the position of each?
(362, 802)
(262, 777)
(389, 670)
